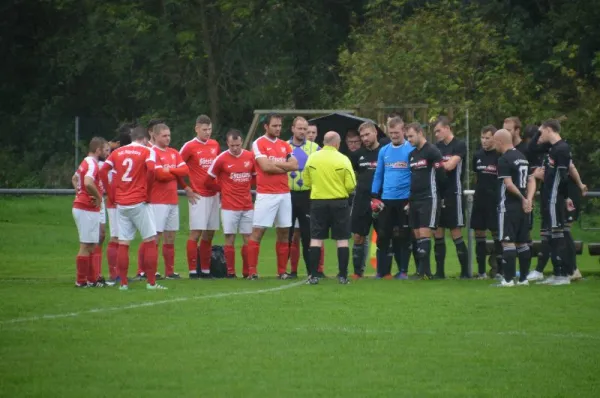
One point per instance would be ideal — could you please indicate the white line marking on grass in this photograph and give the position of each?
(148, 304)
(355, 330)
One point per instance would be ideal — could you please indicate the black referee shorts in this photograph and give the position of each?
(423, 213)
(451, 212)
(361, 215)
(513, 226)
(326, 214)
(485, 214)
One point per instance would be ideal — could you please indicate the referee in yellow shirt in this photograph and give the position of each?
(331, 179)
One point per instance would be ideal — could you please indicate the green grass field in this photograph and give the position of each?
(270, 338)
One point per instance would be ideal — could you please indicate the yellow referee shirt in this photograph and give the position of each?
(329, 174)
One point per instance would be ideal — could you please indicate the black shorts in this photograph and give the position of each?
(328, 214)
(513, 226)
(451, 212)
(393, 215)
(484, 216)
(572, 215)
(544, 215)
(361, 215)
(423, 213)
(555, 213)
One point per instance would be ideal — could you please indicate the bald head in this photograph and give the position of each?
(332, 139)
(503, 140)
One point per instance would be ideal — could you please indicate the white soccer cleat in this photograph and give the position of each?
(561, 280)
(576, 275)
(524, 283)
(124, 288)
(155, 287)
(535, 276)
(504, 283)
(548, 281)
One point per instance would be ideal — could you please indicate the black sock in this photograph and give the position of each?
(440, 256)
(424, 247)
(462, 253)
(572, 249)
(544, 255)
(343, 259)
(524, 254)
(509, 254)
(415, 252)
(315, 256)
(390, 258)
(358, 258)
(401, 253)
(382, 258)
(499, 259)
(558, 253)
(481, 253)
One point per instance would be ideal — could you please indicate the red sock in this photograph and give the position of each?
(91, 274)
(83, 264)
(97, 260)
(205, 255)
(168, 251)
(283, 252)
(253, 251)
(321, 260)
(294, 256)
(245, 260)
(230, 259)
(123, 263)
(192, 254)
(111, 256)
(150, 261)
(140, 259)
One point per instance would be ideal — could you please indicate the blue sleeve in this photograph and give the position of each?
(378, 176)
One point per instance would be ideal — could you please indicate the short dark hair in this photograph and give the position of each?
(530, 131)
(233, 134)
(124, 133)
(203, 119)
(96, 142)
(139, 133)
(552, 124)
(514, 120)
(393, 122)
(393, 115)
(311, 123)
(489, 128)
(443, 120)
(364, 126)
(271, 116)
(414, 126)
(154, 122)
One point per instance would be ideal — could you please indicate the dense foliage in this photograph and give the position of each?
(122, 60)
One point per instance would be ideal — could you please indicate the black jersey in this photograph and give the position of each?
(556, 179)
(423, 165)
(534, 158)
(453, 184)
(512, 164)
(364, 163)
(485, 165)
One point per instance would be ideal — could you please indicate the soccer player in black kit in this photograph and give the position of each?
(364, 162)
(484, 217)
(428, 172)
(451, 210)
(515, 196)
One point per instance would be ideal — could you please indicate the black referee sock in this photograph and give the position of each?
(462, 253)
(440, 256)
(572, 249)
(358, 258)
(424, 249)
(524, 254)
(544, 255)
(315, 256)
(499, 259)
(481, 254)
(558, 253)
(509, 254)
(343, 259)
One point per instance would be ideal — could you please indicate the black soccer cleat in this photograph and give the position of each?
(252, 277)
(284, 276)
(194, 275)
(293, 275)
(139, 277)
(312, 280)
(81, 285)
(158, 276)
(321, 275)
(343, 280)
(174, 275)
(231, 276)
(202, 275)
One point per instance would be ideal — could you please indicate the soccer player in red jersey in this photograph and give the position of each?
(199, 154)
(86, 212)
(163, 197)
(273, 205)
(134, 165)
(235, 171)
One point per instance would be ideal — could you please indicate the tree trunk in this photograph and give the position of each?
(212, 82)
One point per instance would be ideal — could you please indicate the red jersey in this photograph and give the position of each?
(199, 156)
(83, 200)
(131, 163)
(164, 191)
(276, 151)
(234, 174)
